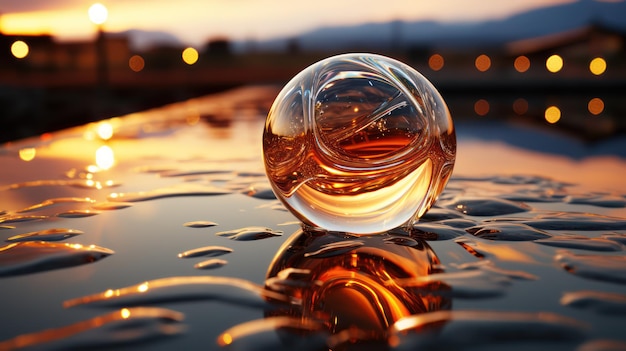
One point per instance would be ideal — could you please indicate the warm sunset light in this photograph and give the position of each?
(521, 64)
(482, 63)
(595, 106)
(520, 106)
(98, 13)
(105, 159)
(105, 130)
(125, 313)
(597, 66)
(136, 63)
(481, 107)
(190, 56)
(435, 62)
(552, 114)
(554, 63)
(19, 49)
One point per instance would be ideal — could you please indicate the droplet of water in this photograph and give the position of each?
(260, 192)
(114, 329)
(597, 200)
(207, 251)
(37, 256)
(507, 232)
(184, 289)
(20, 218)
(250, 233)
(620, 238)
(435, 231)
(107, 206)
(479, 206)
(460, 330)
(581, 243)
(184, 189)
(575, 221)
(78, 213)
(55, 234)
(210, 264)
(358, 143)
(599, 267)
(598, 301)
(56, 201)
(439, 214)
(199, 224)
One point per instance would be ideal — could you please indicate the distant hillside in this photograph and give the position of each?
(529, 24)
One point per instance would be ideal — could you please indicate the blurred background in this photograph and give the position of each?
(560, 64)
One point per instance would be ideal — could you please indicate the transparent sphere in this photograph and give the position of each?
(358, 143)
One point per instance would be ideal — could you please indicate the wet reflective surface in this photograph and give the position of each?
(171, 238)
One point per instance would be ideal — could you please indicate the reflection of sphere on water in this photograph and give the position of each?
(358, 143)
(350, 283)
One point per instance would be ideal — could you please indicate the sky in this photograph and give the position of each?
(196, 21)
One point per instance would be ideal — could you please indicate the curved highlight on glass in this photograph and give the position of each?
(358, 143)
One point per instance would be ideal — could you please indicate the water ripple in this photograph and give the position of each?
(115, 329)
(598, 301)
(599, 267)
(250, 233)
(54, 234)
(37, 256)
(183, 289)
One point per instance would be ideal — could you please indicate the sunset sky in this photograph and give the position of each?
(195, 21)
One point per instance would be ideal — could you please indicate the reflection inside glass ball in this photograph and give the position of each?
(353, 284)
(358, 143)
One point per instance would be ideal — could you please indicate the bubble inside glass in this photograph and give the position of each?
(358, 143)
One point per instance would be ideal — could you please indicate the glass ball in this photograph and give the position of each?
(358, 143)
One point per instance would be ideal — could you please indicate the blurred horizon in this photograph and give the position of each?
(193, 22)
(560, 64)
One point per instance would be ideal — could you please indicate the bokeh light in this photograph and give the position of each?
(597, 66)
(190, 56)
(482, 63)
(136, 63)
(554, 63)
(28, 154)
(105, 158)
(98, 13)
(552, 114)
(105, 130)
(520, 106)
(481, 107)
(19, 49)
(521, 64)
(595, 106)
(436, 62)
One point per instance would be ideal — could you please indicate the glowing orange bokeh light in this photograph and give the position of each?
(436, 62)
(520, 106)
(482, 63)
(597, 66)
(136, 63)
(521, 64)
(554, 63)
(595, 106)
(190, 56)
(481, 107)
(552, 114)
